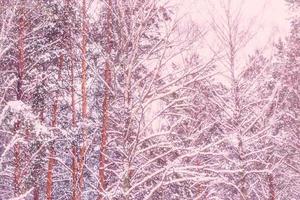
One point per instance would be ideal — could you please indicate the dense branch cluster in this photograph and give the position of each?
(112, 100)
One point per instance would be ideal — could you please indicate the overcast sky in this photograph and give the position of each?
(270, 20)
(272, 13)
(270, 23)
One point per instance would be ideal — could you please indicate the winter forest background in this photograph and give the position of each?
(127, 99)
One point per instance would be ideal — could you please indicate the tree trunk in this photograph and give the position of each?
(20, 70)
(17, 172)
(105, 105)
(36, 193)
(105, 121)
(51, 161)
(21, 48)
(271, 186)
(84, 97)
(67, 41)
(74, 173)
(50, 173)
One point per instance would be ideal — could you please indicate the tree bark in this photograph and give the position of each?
(105, 105)
(20, 72)
(50, 173)
(51, 161)
(84, 96)
(271, 186)
(105, 122)
(17, 172)
(21, 49)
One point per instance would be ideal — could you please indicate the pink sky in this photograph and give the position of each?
(271, 16)
(271, 21)
(273, 13)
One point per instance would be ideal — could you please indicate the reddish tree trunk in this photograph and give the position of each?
(50, 173)
(36, 194)
(271, 187)
(51, 161)
(83, 65)
(21, 49)
(74, 174)
(17, 172)
(73, 97)
(84, 96)
(105, 120)
(67, 40)
(105, 106)
(20, 70)
(74, 147)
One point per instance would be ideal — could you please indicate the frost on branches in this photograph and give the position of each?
(120, 99)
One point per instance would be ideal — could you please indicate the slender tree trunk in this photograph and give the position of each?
(36, 194)
(21, 49)
(84, 63)
(50, 173)
(74, 146)
(84, 96)
(105, 105)
(20, 70)
(41, 111)
(73, 100)
(271, 186)
(237, 110)
(17, 172)
(105, 121)
(51, 161)
(67, 39)
(74, 173)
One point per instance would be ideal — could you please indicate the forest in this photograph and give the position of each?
(130, 100)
